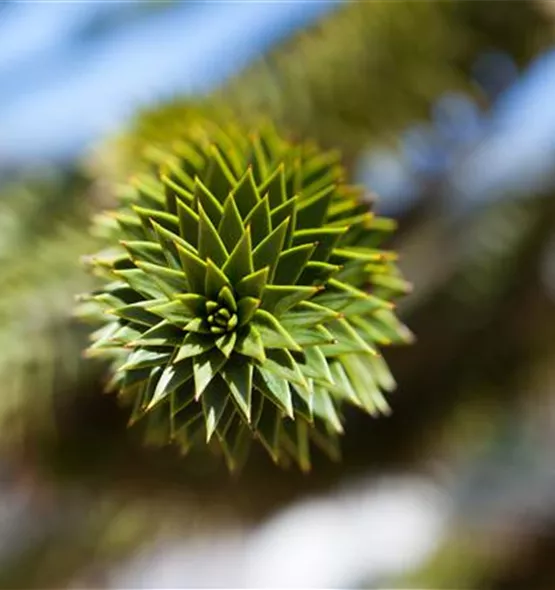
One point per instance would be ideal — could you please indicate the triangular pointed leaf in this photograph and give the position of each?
(246, 194)
(325, 439)
(185, 413)
(317, 273)
(274, 187)
(320, 170)
(229, 416)
(175, 192)
(249, 343)
(164, 219)
(316, 365)
(181, 170)
(163, 334)
(287, 210)
(308, 313)
(209, 203)
(273, 334)
(277, 299)
(303, 402)
(131, 227)
(149, 190)
(194, 304)
(165, 277)
(341, 379)
(172, 377)
(302, 446)
(172, 311)
(326, 238)
(275, 388)
(236, 444)
(122, 292)
(188, 223)
(226, 343)
(311, 212)
(259, 221)
(268, 429)
(194, 344)
(144, 394)
(219, 178)
(294, 176)
(347, 340)
(145, 358)
(268, 251)
(195, 269)
(214, 400)
(323, 407)
(238, 376)
(215, 280)
(231, 227)
(306, 336)
(342, 255)
(141, 282)
(112, 335)
(210, 244)
(137, 312)
(246, 308)
(143, 250)
(206, 367)
(184, 395)
(362, 381)
(135, 376)
(389, 325)
(258, 401)
(281, 363)
(198, 325)
(259, 160)
(240, 262)
(382, 374)
(225, 298)
(291, 263)
(168, 240)
(253, 284)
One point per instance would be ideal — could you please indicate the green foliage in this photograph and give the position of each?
(356, 78)
(41, 233)
(239, 299)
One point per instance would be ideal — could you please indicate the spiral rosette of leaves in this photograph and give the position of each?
(245, 295)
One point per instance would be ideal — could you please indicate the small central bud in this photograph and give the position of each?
(220, 318)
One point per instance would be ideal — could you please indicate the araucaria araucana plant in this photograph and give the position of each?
(244, 295)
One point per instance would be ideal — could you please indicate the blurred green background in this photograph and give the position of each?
(446, 111)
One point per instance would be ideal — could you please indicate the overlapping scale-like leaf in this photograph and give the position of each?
(245, 296)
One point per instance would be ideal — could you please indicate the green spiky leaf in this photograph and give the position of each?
(239, 303)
